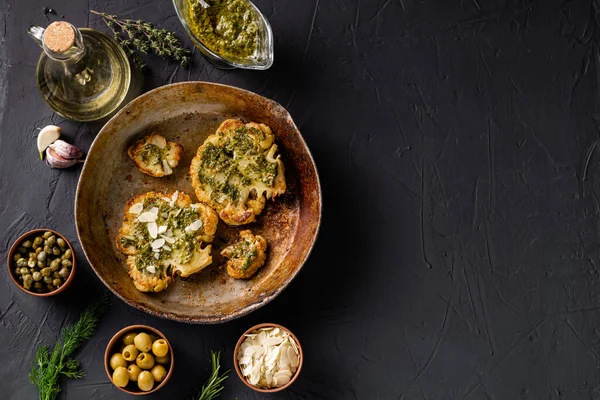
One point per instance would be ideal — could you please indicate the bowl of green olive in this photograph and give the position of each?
(139, 360)
(41, 262)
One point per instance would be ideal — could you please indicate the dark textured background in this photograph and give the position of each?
(459, 252)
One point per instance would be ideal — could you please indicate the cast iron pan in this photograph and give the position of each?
(187, 113)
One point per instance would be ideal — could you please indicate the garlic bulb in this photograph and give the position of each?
(66, 150)
(56, 161)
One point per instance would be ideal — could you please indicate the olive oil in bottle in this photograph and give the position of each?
(83, 74)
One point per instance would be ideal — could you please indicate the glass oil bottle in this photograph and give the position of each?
(83, 74)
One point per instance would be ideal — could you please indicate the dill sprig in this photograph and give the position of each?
(213, 387)
(48, 366)
(139, 36)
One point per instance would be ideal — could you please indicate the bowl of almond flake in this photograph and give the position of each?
(268, 358)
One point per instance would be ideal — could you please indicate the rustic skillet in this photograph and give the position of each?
(187, 113)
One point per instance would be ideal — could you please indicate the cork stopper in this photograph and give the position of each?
(59, 36)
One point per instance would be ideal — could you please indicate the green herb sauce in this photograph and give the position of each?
(152, 153)
(228, 28)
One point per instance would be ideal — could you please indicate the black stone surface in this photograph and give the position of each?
(459, 252)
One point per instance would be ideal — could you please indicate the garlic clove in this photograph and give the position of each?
(46, 137)
(55, 161)
(66, 150)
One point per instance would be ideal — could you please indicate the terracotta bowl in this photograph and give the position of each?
(237, 366)
(114, 347)
(11, 262)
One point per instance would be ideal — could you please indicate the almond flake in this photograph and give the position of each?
(152, 229)
(158, 243)
(151, 269)
(156, 255)
(162, 229)
(194, 226)
(169, 240)
(154, 210)
(147, 217)
(136, 208)
(174, 198)
(167, 247)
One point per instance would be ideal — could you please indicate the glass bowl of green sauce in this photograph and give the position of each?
(229, 33)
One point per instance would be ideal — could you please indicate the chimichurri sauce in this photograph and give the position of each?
(229, 28)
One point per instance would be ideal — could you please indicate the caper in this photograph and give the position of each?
(46, 272)
(64, 272)
(47, 249)
(38, 250)
(38, 285)
(37, 276)
(18, 271)
(21, 262)
(37, 241)
(32, 263)
(48, 279)
(55, 265)
(57, 282)
(56, 251)
(61, 242)
(51, 240)
(28, 279)
(67, 255)
(67, 263)
(56, 275)
(32, 255)
(27, 285)
(41, 264)
(50, 287)
(27, 244)
(24, 271)
(22, 250)
(47, 234)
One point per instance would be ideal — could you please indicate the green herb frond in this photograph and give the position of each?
(214, 386)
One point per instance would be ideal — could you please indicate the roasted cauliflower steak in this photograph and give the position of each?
(162, 235)
(155, 156)
(236, 169)
(246, 255)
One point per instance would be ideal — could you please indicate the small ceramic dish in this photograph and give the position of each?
(12, 263)
(263, 57)
(116, 345)
(236, 363)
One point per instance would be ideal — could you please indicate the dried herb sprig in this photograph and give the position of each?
(139, 36)
(213, 387)
(48, 367)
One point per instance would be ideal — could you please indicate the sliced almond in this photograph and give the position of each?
(152, 229)
(147, 217)
(136, 208)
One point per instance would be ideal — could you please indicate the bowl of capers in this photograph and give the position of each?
(41, 262)
(139, 360)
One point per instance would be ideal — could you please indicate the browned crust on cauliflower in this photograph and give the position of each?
(246, 255)
(215, 186)
(155, 161)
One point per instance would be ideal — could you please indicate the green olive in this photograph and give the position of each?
(64, 272)
(68, 254)
(47, 234)
(46, 272)
(162, 360)
(130, 352)
(37, 276)
(21, 263)
(117, 360)
(120, 377)
(48, 279)
(37, 241)
(158, 373)
(145, 360)
(57, 282)
(128, 338)
(160, 348)
(134, 372)
(66, 263)
(143, 342)
(27, 244)
(61, 242)
(145, 381)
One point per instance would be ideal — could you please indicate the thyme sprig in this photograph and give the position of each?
(214, 385)
(48, 366)
(136, 36)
